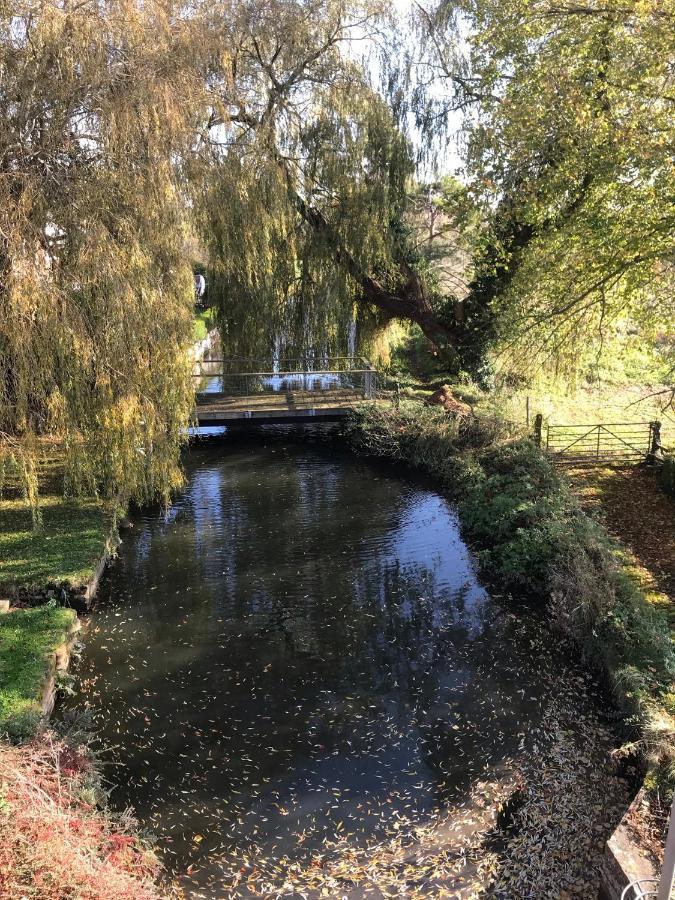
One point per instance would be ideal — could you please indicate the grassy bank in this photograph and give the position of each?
(204, 321)
(57, 837)
(62, 552)
(534, 542)
(28, 638)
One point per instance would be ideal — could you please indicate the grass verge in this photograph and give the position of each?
(64, 550)
(57, 836)
(204, 321)
(27, 639)
(535, 543)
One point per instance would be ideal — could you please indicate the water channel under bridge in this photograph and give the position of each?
(235, 391)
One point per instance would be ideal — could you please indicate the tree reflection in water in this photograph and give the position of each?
(297, 649)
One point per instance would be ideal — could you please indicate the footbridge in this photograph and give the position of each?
(239, 392)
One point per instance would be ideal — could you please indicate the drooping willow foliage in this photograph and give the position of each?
(307, 174)
(96, 101)
(125, 126)
(128, 126)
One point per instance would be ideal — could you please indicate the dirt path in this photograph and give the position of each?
(638, 513)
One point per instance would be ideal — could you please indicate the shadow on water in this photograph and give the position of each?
(298, 649)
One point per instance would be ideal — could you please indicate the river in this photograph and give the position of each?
(295, 673)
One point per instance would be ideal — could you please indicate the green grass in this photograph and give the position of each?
(27, 636)
(587, 404)
(66, 548)
(204, 321)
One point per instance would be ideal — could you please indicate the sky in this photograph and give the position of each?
(448, 160)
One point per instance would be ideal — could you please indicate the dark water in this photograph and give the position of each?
(299, 652)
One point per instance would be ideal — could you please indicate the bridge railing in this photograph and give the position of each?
(342, 374)
(282, 364)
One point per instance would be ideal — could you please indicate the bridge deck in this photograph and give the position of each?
(278, 406)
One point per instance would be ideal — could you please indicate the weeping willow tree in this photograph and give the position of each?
(96, 103)
(303, 206)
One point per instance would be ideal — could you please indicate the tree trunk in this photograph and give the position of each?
(409, 302)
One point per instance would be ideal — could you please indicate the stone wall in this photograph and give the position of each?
(625, 861)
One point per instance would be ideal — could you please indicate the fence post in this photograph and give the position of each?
(668, 871)
(368, 382)
(655, 449)
(397, 398)
(538, 422)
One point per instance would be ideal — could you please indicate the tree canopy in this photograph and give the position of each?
(279, 131)
(570, 114)
(95, 290)
(303, 206)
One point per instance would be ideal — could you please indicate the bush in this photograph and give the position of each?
(54, 840)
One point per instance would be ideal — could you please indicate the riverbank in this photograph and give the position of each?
(46, 572)
(57, 835)
(533, 539)
(57, 838)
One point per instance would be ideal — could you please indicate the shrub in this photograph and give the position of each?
(54, 840)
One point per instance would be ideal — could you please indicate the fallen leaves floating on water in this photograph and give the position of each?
(374, 727)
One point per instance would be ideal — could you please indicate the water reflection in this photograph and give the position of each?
(299, 648)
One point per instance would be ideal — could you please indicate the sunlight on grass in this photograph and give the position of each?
(66, 549)
(27, 636)
(587, 405)
(204, 321)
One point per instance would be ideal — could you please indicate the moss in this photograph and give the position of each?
(65, 549)
(27, 637)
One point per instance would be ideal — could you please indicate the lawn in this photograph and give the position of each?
(27, 637)
(66, 548)
(204, 321)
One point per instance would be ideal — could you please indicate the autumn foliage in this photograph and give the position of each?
(54, 840)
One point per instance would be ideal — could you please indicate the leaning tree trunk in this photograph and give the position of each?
(410, 302)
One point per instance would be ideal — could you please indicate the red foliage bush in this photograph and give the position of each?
(54, 841)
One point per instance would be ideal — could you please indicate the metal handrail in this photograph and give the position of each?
(283, 374)
(303, 363)
(642, 889)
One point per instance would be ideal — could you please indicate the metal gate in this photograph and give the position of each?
(622, 442)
